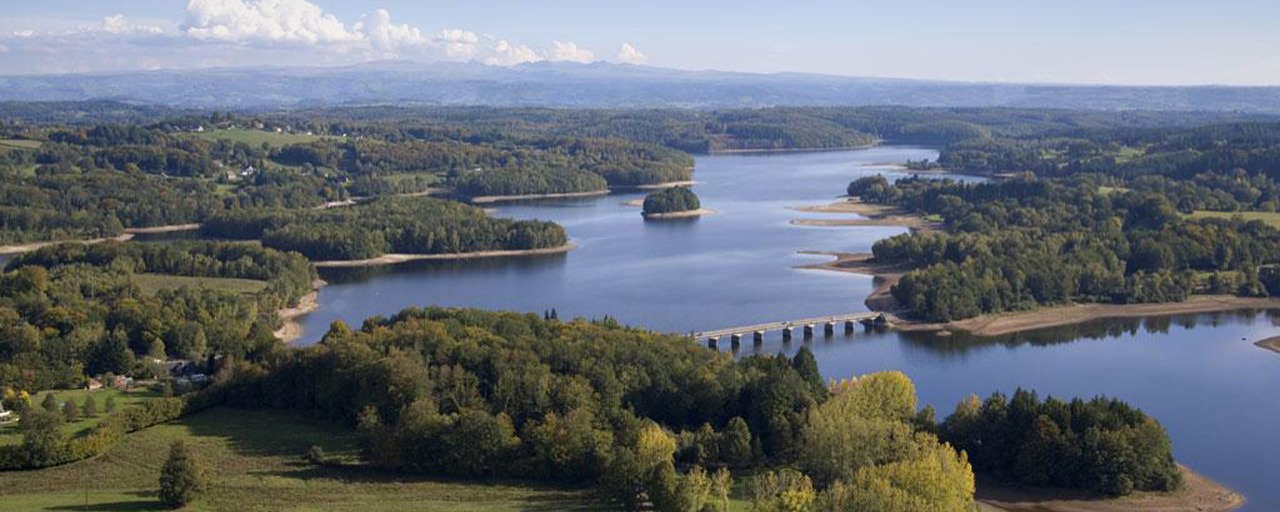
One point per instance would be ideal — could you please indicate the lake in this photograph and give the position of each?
(1200, 375)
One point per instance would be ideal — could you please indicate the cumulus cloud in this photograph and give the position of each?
(629, 54)
(270, 21)
(569, 52)
(505, 53)
(387, 37)
(458, 44)
(256, 32)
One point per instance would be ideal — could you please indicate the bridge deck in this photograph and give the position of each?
(773, 326)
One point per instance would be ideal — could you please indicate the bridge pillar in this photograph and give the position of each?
(829, 328)
(808, 330)
(848, 326)
(713, 341)
(736, 340)
(786, 333)
(758, 337)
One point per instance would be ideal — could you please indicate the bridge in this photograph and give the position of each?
(808, 327)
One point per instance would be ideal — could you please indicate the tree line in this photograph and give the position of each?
(416, 225)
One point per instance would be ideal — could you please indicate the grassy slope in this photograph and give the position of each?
(152, 283)
(9, 433)
(256, 465)
(1271, 218)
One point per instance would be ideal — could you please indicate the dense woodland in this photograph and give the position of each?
(669, 200)
(404, 225)
(70, 311)
(1071, 222)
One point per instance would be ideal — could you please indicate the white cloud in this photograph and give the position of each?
(387, 37)
(629, 54)
(569, 52)
(458, 44)
(264, 21)
(256, 32)
(504, 53)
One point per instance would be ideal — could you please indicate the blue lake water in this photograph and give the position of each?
(1200, 375)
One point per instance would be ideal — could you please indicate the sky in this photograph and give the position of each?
(1166, 42)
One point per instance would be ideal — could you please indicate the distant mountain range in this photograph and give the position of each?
(598, 85)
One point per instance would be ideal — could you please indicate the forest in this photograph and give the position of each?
(71, 311)
(1067, 225)
(403, 225)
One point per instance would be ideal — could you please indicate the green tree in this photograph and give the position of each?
(183, 476)
(49, 403)
(735, 442)
(111, 404)
(42, 437)
(90, 407)
(71, 411)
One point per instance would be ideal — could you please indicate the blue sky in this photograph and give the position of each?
(1081, 41)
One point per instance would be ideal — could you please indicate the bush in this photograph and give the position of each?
(183, 476)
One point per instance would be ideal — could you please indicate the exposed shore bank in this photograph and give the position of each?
(792, 150)
(658, 186)
(291, 329)
(526, 197)
(392, 259)
(885, 276)
(1008, 323)
(687, 214)
(873, 215)
(173, 228)
(32, 246)
(1199, 493)
(1272, 344)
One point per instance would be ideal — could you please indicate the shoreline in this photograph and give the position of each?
(395, 258)
(291, 328)
(172, 228)
(873, 214)
(884, 276)
(687, 214)
(1272, 344)
(656, 186)
(526, 197)
(1199, 493)
(792, 150)
(32, 246)
(1001, 324)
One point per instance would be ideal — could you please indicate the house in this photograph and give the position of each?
(248, 171)
(93, 385)
(122, 382)
(7, 416)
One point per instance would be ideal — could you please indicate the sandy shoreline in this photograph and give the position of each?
(660, 186)
(1008, 323)
(525, 197)
(885, 276)
(173, 228)
(1272, 344)
(792, 150)
(1199, 493)
(687, 214)
(873, 215)
(291, 329)
(32, 246)
(392, 259)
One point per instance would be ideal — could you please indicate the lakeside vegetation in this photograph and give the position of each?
(1076, 223)
(401, 225)
(671, 200)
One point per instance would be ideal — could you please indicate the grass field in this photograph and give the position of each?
(255, 138)
(19, 143)
(255, 462)
(152, 283)
(9, 433)
(1271, 218)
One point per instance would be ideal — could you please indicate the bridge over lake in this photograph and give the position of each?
(807, 325)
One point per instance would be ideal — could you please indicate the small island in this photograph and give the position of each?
(673, 203)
